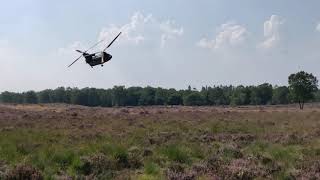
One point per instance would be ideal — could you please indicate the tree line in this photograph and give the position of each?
(264, 94)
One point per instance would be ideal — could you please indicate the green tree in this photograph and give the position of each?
(133, 96)
(119, 96)
(205, 94)
(174, 99)
(302, 86)
(241, 96)
(7, 97)
(58, 95)
(193, 99)
(105, 97)
(81, 97)
(147, 97)
(317, 96)
(30, 97)
(161, 96)
(218, 95)
(280, 95)
(262, 94)
(93, 97)
(44, 96)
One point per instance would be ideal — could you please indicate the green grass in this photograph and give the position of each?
(288, 156)
(177, 154)
(235, 127)
(151, 168)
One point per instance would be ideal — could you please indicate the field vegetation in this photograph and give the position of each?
(61, 141)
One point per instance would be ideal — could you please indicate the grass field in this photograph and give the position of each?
(75, 142)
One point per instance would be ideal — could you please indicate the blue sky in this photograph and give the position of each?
(168, 43)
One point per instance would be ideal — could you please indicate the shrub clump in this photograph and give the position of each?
(176, 154)
(151, 168)
(177, 172)
(124, 158)
(95, 165)
(230, 152)
(25, 172)
(3, 169)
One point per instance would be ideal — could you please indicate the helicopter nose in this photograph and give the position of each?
(109, 56)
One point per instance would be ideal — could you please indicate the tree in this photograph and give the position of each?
(133, 96)
(317, 96)
(161, 96)
(174, 99)
(193, 99)
(147, 96)
(44, 96)
(7, 97)
(58, 95)
(30, 97)
(93, 97)
(241, 96)
(218, 95)
(280, 95)
(302, 87)
(105, 97)
(119, 96)
(262, 94)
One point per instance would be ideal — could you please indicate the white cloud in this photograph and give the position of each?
(71, 48)
(318, 27)
(139, 29)
(272, 32)
(229, 35)
(169, 31)
(130, 31)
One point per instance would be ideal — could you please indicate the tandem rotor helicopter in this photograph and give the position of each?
(98, 58)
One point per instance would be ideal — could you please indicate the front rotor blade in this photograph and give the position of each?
(75, 61)
(112, 41)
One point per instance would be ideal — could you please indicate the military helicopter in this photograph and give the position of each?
(98, 58)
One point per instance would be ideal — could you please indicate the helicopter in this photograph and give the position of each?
(98, 58)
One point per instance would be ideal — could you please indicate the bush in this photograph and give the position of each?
(174, 153)
(24, 172)
(151, 168)
(123, 158)
(229, 153)
(63, 158)
(97, 164)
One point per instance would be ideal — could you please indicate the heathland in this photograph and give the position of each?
(59, 141)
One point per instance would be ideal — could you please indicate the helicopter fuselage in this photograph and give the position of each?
(94, 59)
(97, 58)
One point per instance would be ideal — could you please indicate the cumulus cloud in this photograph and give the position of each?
(130, 32)
(169, 31)
(140, 26)
(229, 35)
(272, 32)
(71, 48)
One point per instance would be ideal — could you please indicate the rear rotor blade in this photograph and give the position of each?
(112, 41)
(75, 61)
(79, 51)
(85, 52)
(94, 45)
